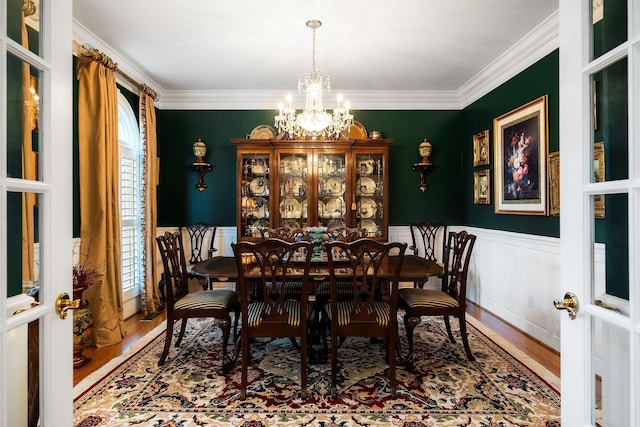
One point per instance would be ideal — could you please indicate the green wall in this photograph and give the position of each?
(537, 80)
(450, 198)
(179, 202)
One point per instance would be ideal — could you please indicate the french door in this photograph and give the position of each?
(600, 211)
(36, 374)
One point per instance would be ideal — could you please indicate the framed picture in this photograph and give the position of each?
(520, 159)
(481, 187)
(554, 183)
(598, 176)
(481, 148)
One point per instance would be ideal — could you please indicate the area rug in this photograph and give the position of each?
(497, 389)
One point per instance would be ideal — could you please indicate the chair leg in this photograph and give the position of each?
(410, 324)
(334, 365)
(225, 326)
(465, 341)
(236, 311)
(245, 366)
(167, 342)
(303, 366)
(446, 322)
(391, 355)
(161, 288)
(183, 327)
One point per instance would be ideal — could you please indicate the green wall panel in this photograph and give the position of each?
(537, 80)
(179, 202)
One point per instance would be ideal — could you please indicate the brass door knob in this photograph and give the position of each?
(64, 303)
(569, 303)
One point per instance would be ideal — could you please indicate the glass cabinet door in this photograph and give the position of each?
(293, 190)
(255, 194)
(369, 193)
(331, 171)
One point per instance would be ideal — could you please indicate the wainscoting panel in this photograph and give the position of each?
(514, 276)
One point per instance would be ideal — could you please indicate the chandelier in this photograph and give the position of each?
(313, 121)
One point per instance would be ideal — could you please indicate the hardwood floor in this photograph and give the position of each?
(136, 328)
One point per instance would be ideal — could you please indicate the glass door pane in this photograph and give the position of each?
(23, 117)
(608, 29)
(293, 190)
(369, 193)
(255, 192)
(332, 209)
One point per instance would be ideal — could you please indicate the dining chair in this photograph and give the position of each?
(201, 239)
(450, 300)
(271, 264)
(181, 304)
(361, 313)
(345, 288)
(428, 240)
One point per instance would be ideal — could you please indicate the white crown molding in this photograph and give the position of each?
(541, 41)
(267, 100)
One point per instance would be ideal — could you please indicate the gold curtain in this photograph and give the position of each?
(99, 192)
(150, 298)
(28, 164)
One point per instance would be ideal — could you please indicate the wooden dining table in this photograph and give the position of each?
(223, 268)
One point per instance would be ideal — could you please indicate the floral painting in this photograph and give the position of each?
(520, 150)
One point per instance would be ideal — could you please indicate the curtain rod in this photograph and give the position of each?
(100, 57)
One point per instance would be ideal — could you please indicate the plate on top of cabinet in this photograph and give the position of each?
(262, 132)
(356, 131)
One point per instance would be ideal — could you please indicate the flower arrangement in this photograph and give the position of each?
(85, 277)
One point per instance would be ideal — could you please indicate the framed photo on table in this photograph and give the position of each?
(481, 187)
(481, 148)
(520, 159)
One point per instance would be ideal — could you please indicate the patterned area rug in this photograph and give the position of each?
(444, 389)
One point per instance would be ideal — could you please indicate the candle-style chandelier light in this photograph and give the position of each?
(313, 122)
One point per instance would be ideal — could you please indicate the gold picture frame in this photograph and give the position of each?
(598, 176)
(520, 159)
(481, 148)
(554, 183)
(482, 187)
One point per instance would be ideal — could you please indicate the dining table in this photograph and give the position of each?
(223, 268)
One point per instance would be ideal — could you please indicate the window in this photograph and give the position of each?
(130, 200)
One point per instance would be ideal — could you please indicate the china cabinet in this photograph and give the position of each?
(312, 183)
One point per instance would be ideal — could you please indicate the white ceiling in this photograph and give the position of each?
(264, 45)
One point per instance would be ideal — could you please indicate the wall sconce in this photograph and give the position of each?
(200, 166)
(424, 165)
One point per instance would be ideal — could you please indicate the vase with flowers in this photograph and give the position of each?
(317, 235)
(84, 278)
